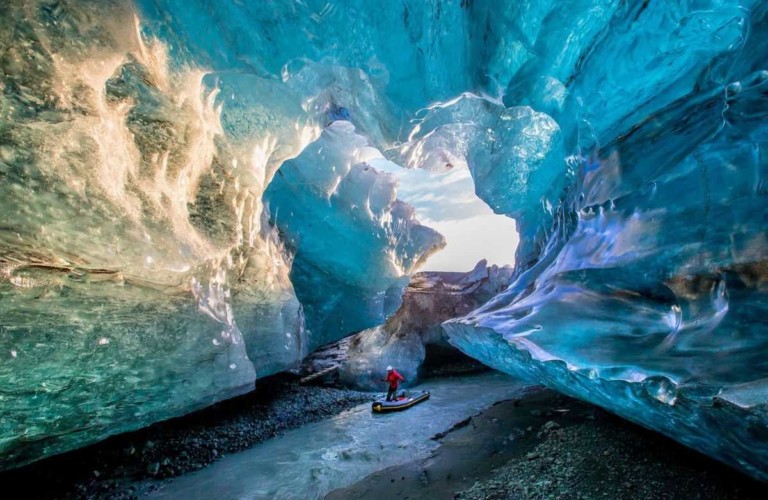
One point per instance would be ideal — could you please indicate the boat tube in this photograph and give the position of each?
(403, 402)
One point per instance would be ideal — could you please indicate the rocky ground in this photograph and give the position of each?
(546, 446)
(116, 467)
(539, 446)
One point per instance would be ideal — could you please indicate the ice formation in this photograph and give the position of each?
(141, 275)
(402, 341)
(354, 243)
(650, 275)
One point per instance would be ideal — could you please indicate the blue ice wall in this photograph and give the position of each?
(354, 243)
(649, 278)
(137, 142)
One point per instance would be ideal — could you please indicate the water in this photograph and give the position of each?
(315, 459)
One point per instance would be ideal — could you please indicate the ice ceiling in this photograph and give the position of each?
(196, 195)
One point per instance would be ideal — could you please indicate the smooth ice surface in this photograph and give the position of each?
(138, 279)
(648, 288)
(317, 458)
(355, 243)
(141, 275)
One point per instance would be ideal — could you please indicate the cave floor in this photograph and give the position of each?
(512, 442)
(545, 445)
(310, 461)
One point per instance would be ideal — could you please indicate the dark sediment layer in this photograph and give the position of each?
(441, 361)
(115, 468)
(550, 446)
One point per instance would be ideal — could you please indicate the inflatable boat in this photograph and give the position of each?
(404, 401)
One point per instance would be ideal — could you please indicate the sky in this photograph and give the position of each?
(447, 203)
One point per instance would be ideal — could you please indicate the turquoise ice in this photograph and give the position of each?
(190, 200)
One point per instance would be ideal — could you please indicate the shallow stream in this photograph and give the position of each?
(317, 458)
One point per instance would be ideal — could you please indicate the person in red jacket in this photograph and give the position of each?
(393, 378)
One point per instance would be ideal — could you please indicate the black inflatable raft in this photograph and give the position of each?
(403, 402)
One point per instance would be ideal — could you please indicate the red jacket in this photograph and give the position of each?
(393, 378)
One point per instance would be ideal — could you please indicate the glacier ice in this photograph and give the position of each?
(353, 243)
(649, 283)
(138, 279)
(429, 299)
(141, 275)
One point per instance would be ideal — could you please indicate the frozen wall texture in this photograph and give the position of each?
(187, 203)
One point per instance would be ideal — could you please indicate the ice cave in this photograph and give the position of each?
(198, 195)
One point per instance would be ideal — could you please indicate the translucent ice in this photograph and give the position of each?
(138, 280)
(430, 299)
(141, 275)
(355, 244)
(649, 283)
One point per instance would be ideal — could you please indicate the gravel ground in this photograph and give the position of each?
(547, 446)
(596, 455)
(540, 446)
(116, 467)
